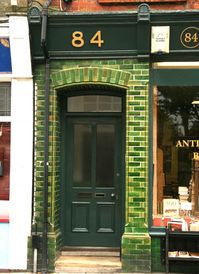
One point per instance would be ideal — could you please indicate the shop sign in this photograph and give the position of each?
(196, 156)
(92, 36)
(5, 59)
(183, 39)
(92, 39)
(160, 39)
(189, 37)
(189, 144)
(122, 35)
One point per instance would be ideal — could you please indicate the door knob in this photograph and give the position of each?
(114, 196)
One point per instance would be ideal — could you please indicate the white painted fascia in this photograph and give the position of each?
(20, 46)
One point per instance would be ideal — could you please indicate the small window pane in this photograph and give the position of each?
(82, 156)
(5, 99)
(94, 103)
(105, 155)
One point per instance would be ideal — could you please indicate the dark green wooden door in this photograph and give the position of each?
(93, 182)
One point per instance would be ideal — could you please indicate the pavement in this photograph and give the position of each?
(24, 272)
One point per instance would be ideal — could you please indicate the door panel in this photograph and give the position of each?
(80, 216)
(105, 217)
(92, 183)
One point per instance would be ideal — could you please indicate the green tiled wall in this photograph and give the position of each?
(133, 76)
(156, 264)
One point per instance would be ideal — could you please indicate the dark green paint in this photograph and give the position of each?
(124, 35)
(91, 216)
(175, 77)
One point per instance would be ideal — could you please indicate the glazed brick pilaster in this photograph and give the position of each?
(136, 242)
(136, 253)
(137, 150)
(156, 251)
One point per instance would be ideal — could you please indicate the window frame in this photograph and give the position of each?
(163, 77)
(97, 102)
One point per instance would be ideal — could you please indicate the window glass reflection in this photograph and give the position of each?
(94, 103)
(82, 156)
(105, 155)
(176, 141)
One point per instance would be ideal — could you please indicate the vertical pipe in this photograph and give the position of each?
(46, 139)
(46, 164)
(35, 260)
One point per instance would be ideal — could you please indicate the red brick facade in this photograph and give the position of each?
(123, 5)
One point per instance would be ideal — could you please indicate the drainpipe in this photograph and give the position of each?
(44, 268)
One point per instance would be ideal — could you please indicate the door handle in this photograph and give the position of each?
(114, 196)
(100, 195)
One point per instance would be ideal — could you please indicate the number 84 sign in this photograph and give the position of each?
(78, 39)
(189, 37)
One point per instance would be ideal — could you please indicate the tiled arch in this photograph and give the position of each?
(92, 75)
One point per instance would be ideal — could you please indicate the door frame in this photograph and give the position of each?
(63, 99)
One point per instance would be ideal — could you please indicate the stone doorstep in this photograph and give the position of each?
(87, 270)
(80, 272)
(63, 272)
(89, 251)
(87, 264)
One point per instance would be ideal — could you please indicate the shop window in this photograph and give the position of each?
(176, 155)
(5, 99)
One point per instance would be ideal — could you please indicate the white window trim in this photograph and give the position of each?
(5, 119)
(5, 77)
(179, 65)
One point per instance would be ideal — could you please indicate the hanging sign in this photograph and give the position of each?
(5, 59)
(160, 39)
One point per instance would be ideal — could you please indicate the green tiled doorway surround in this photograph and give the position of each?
(133, 77)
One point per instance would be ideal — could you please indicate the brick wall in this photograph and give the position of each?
(5, 6)
(106, 5)
(134, 77)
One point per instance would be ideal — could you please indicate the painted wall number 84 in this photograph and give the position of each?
(78, 39)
